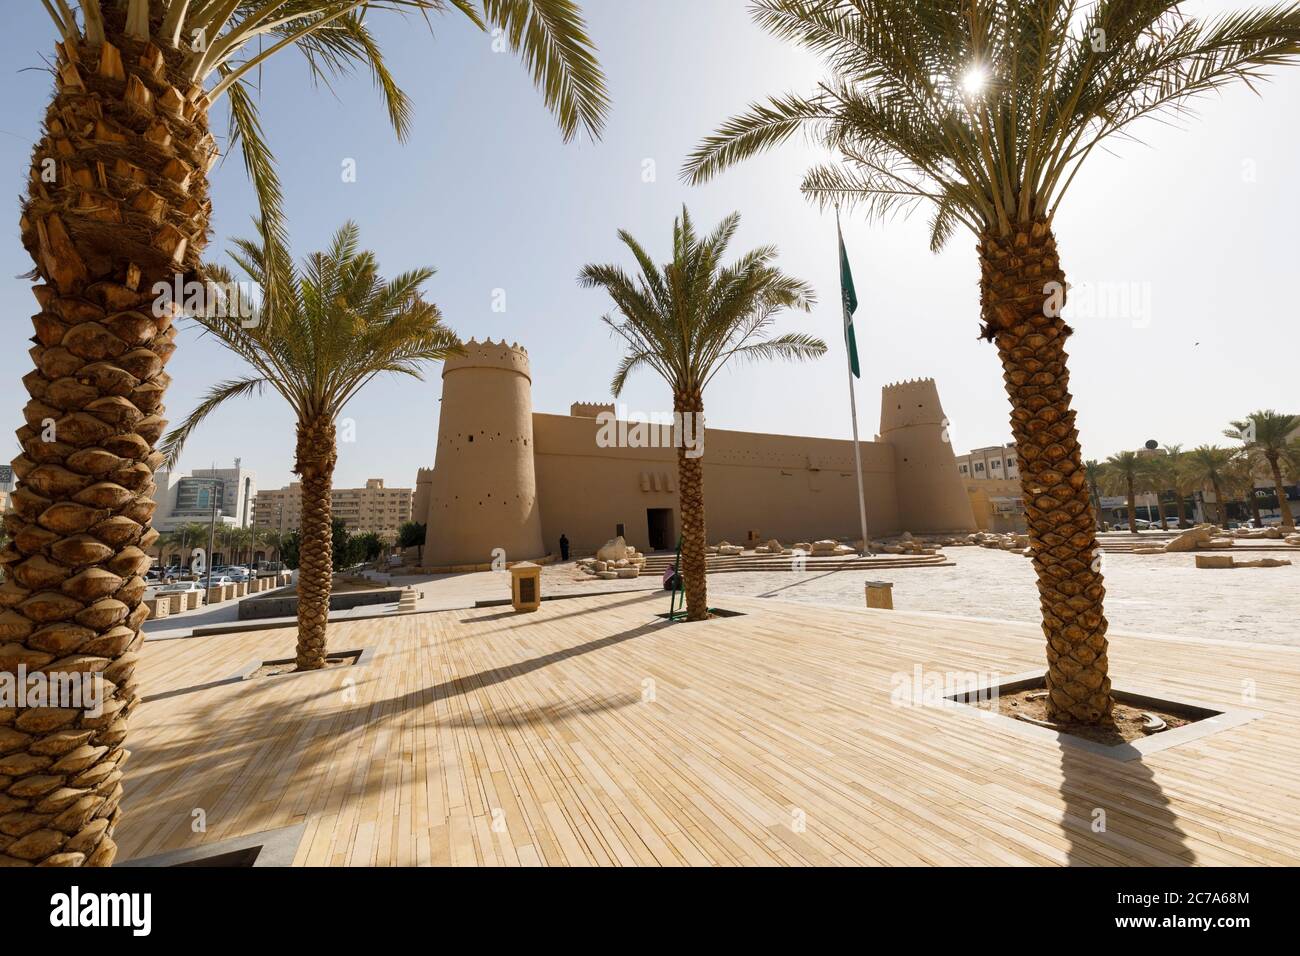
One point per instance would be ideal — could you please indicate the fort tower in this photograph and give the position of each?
(482, 494)
(931, 497)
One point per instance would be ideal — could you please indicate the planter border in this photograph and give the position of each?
(276, 848)
(1212, 718)
(364, 657)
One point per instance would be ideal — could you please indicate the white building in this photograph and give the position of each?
(188, 499)
(992, 463)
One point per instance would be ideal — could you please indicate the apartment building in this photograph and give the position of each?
(372, 508)
(984, 464)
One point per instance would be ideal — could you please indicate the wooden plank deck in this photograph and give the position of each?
(591, 733)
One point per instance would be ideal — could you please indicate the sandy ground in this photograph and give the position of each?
(1145, 594)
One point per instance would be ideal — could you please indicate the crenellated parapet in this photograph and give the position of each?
(511, 357)
(590, 409)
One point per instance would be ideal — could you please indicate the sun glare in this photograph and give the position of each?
(974, 80)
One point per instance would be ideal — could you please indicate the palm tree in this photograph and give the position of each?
(1093, 469)
(1239, 482)
(1208, 464)
(1181, 478)
(118, 206)
(686, 320)
(1153, 479)
(985, 111)
(1123, 472)
(1266, 436)
(317, 340)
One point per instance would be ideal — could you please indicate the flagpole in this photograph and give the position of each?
(857, 460)
(853, 410)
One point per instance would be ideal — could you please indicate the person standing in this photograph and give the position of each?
(564, 547)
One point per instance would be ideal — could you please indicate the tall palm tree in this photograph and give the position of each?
(1208, 464)
(1266, 435)
(1123, 472)
(1181, 479)
(117, 202)
(1153, 479)
(317, 340)
(686, 320)
(984, 111)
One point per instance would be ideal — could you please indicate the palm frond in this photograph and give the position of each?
(174, 443)
(551, 38)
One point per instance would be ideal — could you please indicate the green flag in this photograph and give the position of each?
(849, 296)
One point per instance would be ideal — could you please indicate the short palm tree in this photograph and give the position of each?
(1266, 435)
(1122, 474)
(686, 320)
(317, 340)
(117, 201)
(1208, 464)
(984, 111)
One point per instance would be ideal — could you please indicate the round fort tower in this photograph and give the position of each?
(482, 494)
(931, 496)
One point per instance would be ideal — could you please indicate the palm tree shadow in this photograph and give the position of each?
(1117, 814)
(306, 742)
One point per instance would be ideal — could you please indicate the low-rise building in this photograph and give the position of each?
(991, 477)
(997, 462)
(372, 508)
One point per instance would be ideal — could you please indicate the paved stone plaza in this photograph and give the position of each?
(1146, 594)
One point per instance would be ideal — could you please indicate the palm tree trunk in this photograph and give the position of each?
(1015, 271)
(1096, 502)
(1132, 509)
(690, 484)
(1160, 510)
(117, 201)
(1253, 504)
(1288, 520)
(1182, 510)
(316, 456)
(1219, 501)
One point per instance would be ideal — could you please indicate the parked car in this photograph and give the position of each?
(239, 575)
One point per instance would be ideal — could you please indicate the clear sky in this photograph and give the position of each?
(1199, 221)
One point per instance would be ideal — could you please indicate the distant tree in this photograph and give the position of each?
(369, 545)
(1121, 476)
(1093, 468)
(1182, 479)
(1266, 436)
(289, 550)
(411, 535)
(1208, 464)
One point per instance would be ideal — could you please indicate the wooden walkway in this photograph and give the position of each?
(592, 733)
